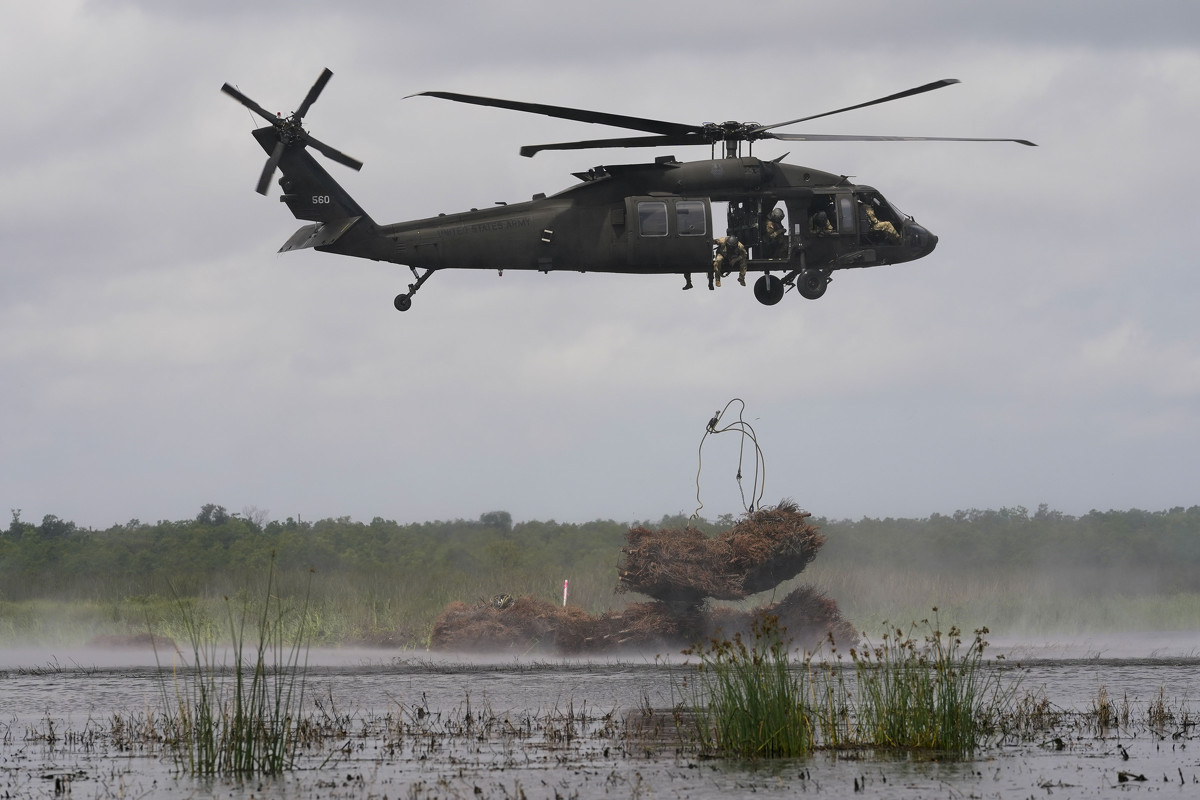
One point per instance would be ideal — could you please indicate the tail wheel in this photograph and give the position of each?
(403, 302)
(768, 290)
(812, 283)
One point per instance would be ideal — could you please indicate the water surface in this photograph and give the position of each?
(580, 728)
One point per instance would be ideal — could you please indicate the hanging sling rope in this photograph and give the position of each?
(746, 430)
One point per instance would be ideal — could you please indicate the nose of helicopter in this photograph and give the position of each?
(922, 239)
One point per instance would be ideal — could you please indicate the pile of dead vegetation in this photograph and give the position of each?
(681, 569)
(530, 625)
(768, 547)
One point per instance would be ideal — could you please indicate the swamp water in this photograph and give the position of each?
(404, 725)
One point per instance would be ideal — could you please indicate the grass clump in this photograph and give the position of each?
(756, 701)
(931, 694)
(239, 718)
(910, 692)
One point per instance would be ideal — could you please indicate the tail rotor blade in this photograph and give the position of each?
(333, 154)
(313, 93)
(269, 168)
(250, 104)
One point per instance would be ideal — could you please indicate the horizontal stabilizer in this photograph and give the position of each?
(319, 234)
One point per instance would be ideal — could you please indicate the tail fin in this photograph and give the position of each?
(309, 191)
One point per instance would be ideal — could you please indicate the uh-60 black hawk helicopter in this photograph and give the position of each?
(642, 219)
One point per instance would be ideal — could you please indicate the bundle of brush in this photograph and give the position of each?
(532, 625)
(523, 623)
(683, 566)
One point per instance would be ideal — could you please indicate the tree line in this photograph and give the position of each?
(216, 548)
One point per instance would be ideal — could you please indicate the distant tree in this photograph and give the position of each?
(16, 528)
(54, 528)
(497, 519)
(212, 514)
(257, 517)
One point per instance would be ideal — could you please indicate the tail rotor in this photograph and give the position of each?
(290, 131)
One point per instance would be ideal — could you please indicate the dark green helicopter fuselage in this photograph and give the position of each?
(793, 224)
(636, 218)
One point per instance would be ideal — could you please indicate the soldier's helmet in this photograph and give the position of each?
(731, 242)
(776, 215)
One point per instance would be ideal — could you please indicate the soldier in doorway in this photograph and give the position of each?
(730, 255)
(776, 238)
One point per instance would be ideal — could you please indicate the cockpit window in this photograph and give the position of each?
(879, 206)
(689, 217)
(880, 225)
(652, 218)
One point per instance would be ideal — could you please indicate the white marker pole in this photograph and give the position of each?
(564, 593)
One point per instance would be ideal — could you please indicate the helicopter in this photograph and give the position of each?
(641, 219)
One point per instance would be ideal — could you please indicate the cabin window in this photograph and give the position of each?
(652, 218)
(689, 218)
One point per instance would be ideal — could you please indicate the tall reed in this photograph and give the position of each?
(755, 700)
(239, 719)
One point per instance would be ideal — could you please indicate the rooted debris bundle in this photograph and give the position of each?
(681, 569)
(532, 625)
(765, 549)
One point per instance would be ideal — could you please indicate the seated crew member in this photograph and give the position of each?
(885, 229)
(819, 224)
(730, 255)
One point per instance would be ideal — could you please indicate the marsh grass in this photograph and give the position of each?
(756, 705)
(917, 691)
(239, 718)
(929, 692)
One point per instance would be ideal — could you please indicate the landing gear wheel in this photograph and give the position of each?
(404, 301)
(768, 290)
(812, 283)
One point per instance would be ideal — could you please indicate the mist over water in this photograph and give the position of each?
(1114, 646)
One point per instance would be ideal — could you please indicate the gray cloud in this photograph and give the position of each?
(157, 354)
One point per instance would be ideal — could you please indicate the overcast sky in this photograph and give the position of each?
(157, 354)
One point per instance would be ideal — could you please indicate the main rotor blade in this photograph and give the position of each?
(577, 114)
(830, 137)
(531, 150)
(929, 87)
(311, 97)
(336, 155)
(250, 104)
(264, 180)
